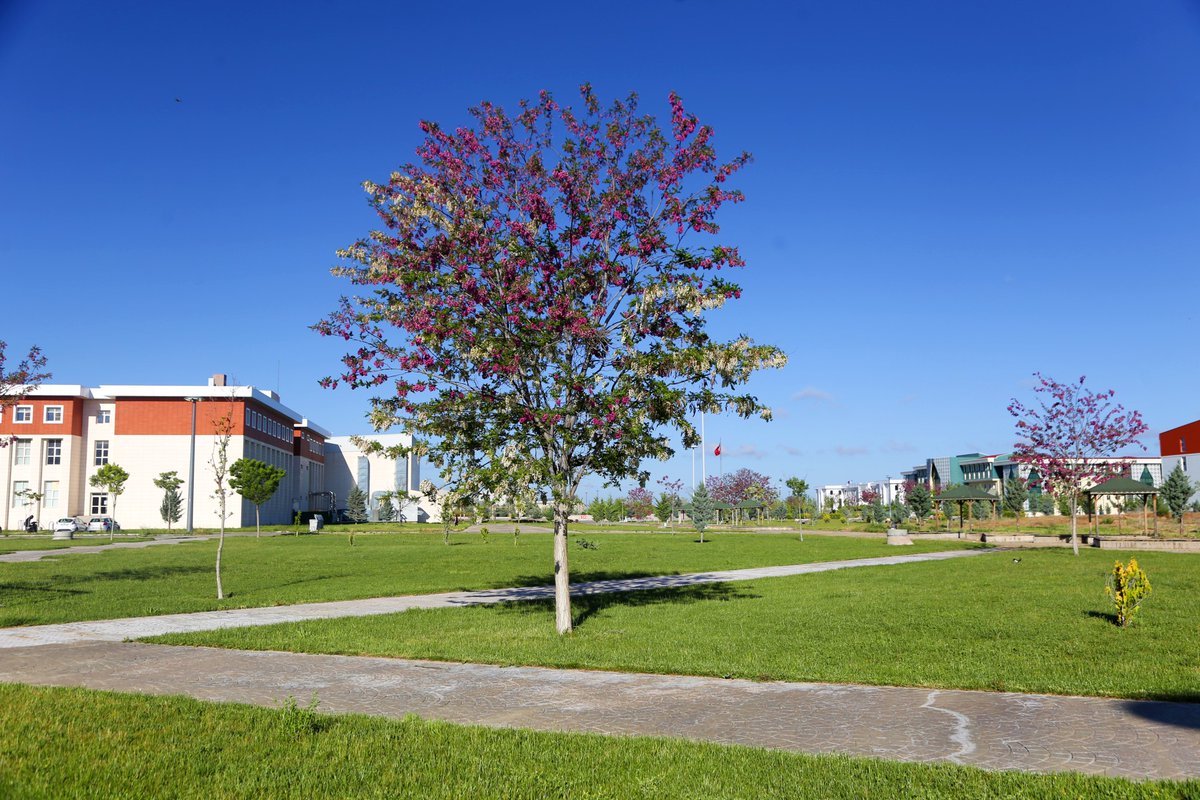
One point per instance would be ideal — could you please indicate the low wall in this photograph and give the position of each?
(1146, 543)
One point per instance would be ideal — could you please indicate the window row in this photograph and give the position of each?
(22, 495)
(261, 422)
(23, 452)
(24, 414)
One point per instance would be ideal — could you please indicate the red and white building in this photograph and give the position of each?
(61, 434)
(1181, 447)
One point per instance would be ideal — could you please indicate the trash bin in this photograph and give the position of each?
(316, 523)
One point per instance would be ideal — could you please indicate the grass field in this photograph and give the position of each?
(67, 743)
(298, 569)
(1042, 624)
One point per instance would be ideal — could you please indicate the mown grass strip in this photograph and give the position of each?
(85, 744)
(304, 569)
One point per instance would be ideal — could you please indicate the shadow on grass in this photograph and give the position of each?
(147, 573)
(14, 592)
(1104, 615)
(586, 605)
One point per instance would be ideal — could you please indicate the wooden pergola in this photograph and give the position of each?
(967, 494)
(1126, 487)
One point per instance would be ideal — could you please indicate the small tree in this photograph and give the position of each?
(222, 434)
(702, 510)
(664, 507)
(29, 497)
(256, 481)
(1176, 491)
(16, 384)
(1128, 586)
(171, 508)
(1015, 495)
(111, 478)
(387, 511)
(920, 500)
(1068, 436)
(356, 505)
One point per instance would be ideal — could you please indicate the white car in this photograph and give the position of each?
(102, 525)
(68, 525)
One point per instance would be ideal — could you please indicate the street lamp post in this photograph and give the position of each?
(192, 464)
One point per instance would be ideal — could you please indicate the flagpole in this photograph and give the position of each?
(703, 449)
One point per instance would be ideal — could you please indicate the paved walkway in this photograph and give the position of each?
(116, 630)
(20, 556)
(983, 729)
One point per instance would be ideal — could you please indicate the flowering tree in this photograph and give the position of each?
(531, 287)
(15, 384)
(745, 484)
(640, 502)
(869, 496)
(1069, 435)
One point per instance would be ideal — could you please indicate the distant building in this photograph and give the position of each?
(65, 433)
(1181, 446)
(837, 495)
(348, 466)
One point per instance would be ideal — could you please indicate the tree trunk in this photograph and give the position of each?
(1074, 526)
(257, 522)
(562, 577)
(220, 545)
(112, 529)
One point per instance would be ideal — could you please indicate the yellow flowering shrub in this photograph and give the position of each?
(1128, 586)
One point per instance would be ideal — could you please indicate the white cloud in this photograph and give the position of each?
(813, 393)
(749, 451)
(893, 446)
(844, 450)
(792, 451)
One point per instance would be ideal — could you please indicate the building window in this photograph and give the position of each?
(19, 489)
(23, 449)
(50, 494)
(53, 451)
(247, 418)
(100, 504)
(104, 416)
(23, 414)
(53, 414)
(101, 452)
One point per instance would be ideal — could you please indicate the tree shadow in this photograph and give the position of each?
(1107, 616)
(585, 605)
(578, 578)
(35, 592)
(147, 573)
(1179, 709)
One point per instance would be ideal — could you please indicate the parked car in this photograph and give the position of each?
(102, 525)
(69, 525)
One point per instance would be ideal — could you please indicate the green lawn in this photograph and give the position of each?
(1042, 624)
(82, 744)
(298, 569)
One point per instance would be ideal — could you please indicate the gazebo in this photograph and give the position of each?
(966, 494)
(748, 506)
(1127, 487)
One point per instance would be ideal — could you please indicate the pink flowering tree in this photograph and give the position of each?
(1070, 435)
(16, 383)
(640, 502)
(535, 290)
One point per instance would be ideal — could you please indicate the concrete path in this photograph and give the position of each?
(1038, 733)
(21, 556)
(116, 630)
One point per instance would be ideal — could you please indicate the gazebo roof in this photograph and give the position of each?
(965, 493)
(1121, 485)
(750, 504)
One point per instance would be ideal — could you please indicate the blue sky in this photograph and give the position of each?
(945, 196)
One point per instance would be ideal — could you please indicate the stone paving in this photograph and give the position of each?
(116, 630)
(1131, 739)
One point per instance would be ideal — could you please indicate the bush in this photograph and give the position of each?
(1128, 586)
(875, 527)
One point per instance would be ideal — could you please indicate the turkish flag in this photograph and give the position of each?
(717, 452)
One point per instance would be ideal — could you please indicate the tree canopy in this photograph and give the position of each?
(257, 481)
(1070, 434)
(531, 298)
